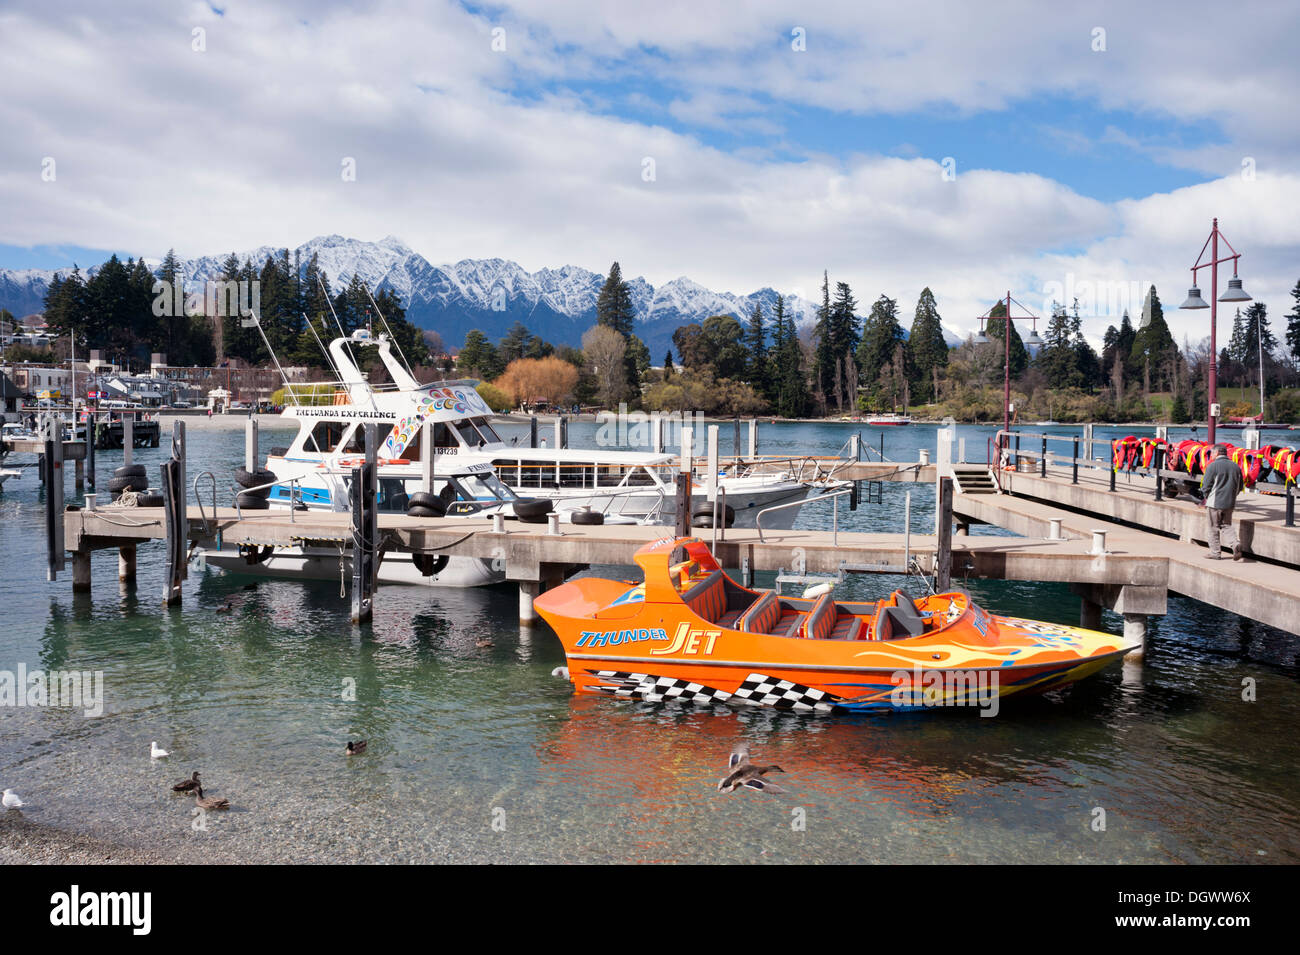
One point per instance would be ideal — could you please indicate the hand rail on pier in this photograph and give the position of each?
(835, 524)
(207, 528)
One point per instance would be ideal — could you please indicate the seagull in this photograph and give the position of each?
(355, 749)
(745, 773)
(213, 803)
(155, 752)
(11, 800)
(186, 785)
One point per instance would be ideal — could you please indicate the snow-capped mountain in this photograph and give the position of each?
(488, 294)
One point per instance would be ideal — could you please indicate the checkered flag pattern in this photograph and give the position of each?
(762, 690)
(757, 690)
(654, 689)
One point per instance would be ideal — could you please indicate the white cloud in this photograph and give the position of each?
(241, 145)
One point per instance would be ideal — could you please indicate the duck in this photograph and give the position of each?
(155, 752)
(226, 607)
(205, 803)
(185, 785)
(485, 643)
(10, 800)
(744, 773)
(355, 749)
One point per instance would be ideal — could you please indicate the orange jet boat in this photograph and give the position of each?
(692, 634)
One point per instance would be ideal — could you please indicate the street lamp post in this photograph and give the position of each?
(1031, 339)
(1235, 293)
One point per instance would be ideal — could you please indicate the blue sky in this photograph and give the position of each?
(524, 129)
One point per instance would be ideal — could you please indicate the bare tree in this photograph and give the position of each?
(604, 350)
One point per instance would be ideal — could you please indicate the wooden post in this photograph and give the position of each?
(81, 572)
(365, 529)
(753, 439)
(683, 501)
(91, 437)
(174, 527)
(179, 455)
(54, 498)
(943, 560)
(128, 437)
(532, 431)
(711, 482)
(735, 438)
(79, 475)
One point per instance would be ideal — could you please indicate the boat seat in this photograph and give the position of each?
(762, 616)
(895, 623)
(708, 598)
(913, 622)
(847, 627)
(820, 620)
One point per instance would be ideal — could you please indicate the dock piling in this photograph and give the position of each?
(128, 438)
(250, 445)
(175, 526)
(54, 497)
(81, 572)
(365, 531)
(126, 563)
(943, 559)
(753, 438)
(683, 497)
(1074, 475)
(90, 449)
(528, 592)
(427, 457)
(1135, 631)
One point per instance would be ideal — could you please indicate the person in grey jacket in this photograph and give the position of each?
(1221, 484)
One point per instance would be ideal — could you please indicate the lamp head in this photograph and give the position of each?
(1194, 299)
(1235, 292)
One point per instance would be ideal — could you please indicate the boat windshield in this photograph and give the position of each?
(486, 486)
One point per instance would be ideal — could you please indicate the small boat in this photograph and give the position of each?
(690, 633)
(888, 420)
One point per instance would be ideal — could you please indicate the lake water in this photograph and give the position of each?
(482, 755)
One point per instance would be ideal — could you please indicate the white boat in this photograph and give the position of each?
(628, 484)
(474, 473)
(890, 419)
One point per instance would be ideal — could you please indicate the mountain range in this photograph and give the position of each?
(487, 294)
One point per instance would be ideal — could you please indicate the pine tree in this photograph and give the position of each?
(1086, 362)
(614, 310)
(756, 366)
(825, 359)
(881, 335)
(995, 327)
(1293, 324)
(927, 348)
(1057, 357)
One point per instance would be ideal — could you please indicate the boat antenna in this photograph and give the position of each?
(256, 322)
(342, 334)
(329, 359)
(389, 332)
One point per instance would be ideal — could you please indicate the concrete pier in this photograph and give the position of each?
(126, 563)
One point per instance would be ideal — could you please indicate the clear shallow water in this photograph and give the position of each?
(461, 736)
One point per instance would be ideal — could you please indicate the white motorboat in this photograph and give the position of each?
(629, 484)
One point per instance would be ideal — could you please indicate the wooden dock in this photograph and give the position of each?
(1169, 532)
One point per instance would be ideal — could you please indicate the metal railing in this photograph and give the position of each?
(832, 496)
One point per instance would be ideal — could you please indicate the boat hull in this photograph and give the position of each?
(320, 563)
(689, 633)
